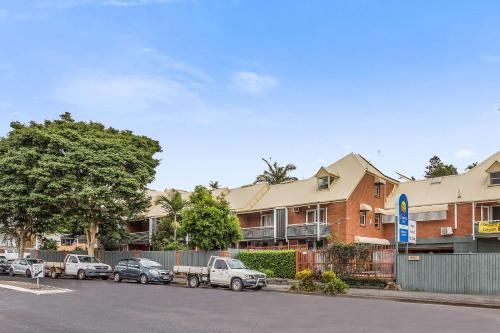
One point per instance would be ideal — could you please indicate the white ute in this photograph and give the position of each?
(223, 271)
(79, 266)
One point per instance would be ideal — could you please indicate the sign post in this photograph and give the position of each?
(401, 232)
(37, 272)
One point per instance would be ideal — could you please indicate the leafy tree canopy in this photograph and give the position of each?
(276, 174)
(209, 222)
(437, 168)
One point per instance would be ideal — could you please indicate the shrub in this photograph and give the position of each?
(328, 276)
(306, 280)
(49, 244)
(334, 287)
(305, 274)
(269, 273)
(282, 263)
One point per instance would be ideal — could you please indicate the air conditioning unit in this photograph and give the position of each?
(446, 231)
(296, 209)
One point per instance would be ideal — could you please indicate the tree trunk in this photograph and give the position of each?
(91, 234)
(21, 239)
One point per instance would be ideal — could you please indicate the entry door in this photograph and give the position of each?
(219, 273)
(71, 265)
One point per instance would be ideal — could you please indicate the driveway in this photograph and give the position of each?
(99, 306)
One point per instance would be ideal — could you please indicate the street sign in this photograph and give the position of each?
(412, 232)
(402, 219)
(38, 271)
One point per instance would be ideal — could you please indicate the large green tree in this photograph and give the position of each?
(276, 174)
(209, 222)
(25, 207)
(437, 168)
(93, 177)
(173, 204)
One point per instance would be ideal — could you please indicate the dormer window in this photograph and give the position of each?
(324, 183)
(495, 178)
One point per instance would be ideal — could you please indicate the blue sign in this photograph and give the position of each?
(403, 208)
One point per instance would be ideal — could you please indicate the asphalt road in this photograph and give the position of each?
(105, 306)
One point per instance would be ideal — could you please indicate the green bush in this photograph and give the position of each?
(49, 244)
(269, 273)
(328, 276)
(306, 279)
(334, 287)
(305, 274)
(282, 263)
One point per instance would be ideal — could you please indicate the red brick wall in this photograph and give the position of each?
(365, 193)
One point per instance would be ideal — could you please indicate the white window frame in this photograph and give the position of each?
(328, 180)
(379, 221)
(325, 215)
(362, 213)
(262, 220)
(378, 190)
(496, 177)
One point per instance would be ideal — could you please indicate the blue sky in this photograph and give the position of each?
(223, 83)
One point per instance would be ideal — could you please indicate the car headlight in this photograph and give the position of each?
(250, 277)
(155, 273)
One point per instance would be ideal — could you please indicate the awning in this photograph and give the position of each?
(379, 180)
(366, 207)
(380, 211)
(370, 240)
(419, 209)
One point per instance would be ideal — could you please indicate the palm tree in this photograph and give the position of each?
(173, 204)
(214, 184)
(276, 174)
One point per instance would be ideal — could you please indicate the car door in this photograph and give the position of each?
(219, 273)
(133, 270)
(71, 265)
(14, 265)
(22, 266)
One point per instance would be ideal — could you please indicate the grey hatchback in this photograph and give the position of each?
(141, 270)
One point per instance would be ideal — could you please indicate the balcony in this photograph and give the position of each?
(293, 231)
(139, 238)
(258, 233)
(308, 230)
(487, 229)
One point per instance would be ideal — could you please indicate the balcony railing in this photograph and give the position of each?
(488, 229)
(139, 238)
(258, 233)
(308, 230)
(293, 231)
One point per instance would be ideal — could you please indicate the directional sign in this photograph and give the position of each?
(37, 271)
(403, 218)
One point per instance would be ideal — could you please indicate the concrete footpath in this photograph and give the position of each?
(481, 301)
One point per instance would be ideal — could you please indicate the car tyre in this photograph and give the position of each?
(143, 279)
(236, 284)
(28, 273)
(193, 281)
(117, 277)
(81, 275)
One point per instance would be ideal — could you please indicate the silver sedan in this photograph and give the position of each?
(23, 266)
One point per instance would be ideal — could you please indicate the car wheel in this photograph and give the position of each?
(143, 279)
(53, 273)
(237, 284)
(117, 277)
(11, 272)
(81, 275)
(28, 273)
(193, 281)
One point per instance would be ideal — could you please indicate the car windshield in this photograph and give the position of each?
(88, 259)
(34, 261)
(150, 264)
(236, 264)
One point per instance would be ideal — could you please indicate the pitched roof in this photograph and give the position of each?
(349, 171)
(472, 185)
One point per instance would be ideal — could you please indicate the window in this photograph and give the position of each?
(220, 264)
(495, 213)
(323, 183)
(122, 263)
(377, 190)
(311, 215)
(378, 221)
(362, 218)
(495, 178)
(267, 220)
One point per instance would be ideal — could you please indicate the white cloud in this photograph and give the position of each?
(347, 147)
(464, 153)
(100, 91)
(490, 59)
(253, 83)
(8, 15)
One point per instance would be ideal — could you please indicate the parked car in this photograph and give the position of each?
(80, 266)
(141, 270)
(223, 271)
(4, 264)
(11, 254)
(23, 266)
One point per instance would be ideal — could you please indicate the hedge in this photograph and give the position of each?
(282, 263)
